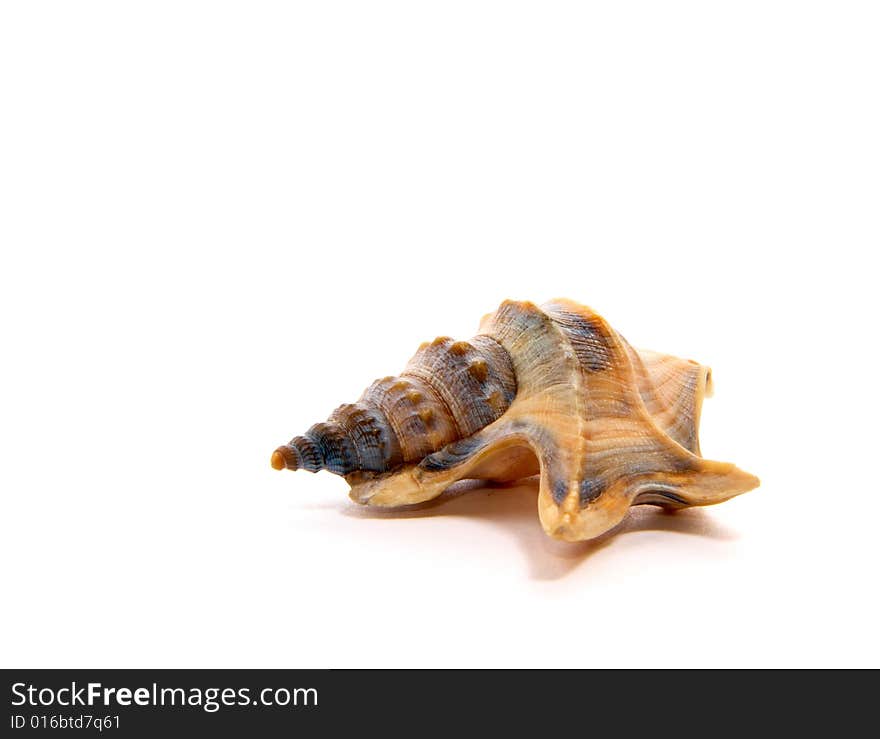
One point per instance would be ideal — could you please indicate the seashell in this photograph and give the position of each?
(550, 390)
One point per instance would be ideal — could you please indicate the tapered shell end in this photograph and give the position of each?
(277, 461)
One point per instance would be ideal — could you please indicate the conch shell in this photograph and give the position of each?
(550, 390)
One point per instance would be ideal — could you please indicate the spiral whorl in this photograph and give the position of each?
(448, 390)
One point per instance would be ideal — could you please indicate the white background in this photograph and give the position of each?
(221, 220)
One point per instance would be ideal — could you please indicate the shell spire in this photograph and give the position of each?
(448, 391)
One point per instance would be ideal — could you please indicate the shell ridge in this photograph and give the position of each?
(429, 384)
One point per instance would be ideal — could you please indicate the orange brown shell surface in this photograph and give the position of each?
(550, 390)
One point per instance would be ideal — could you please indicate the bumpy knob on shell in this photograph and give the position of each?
(448, 391)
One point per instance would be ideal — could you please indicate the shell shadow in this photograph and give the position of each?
(514, 507)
